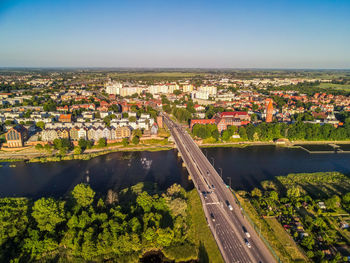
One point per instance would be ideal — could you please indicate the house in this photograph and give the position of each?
(91, 134)
(122, 132)
(62, 133)
(16, 136)
(199, 107)
(73, 134)
(48, 135)
(82, 133)
(235, 118)
(154, 129)
(65, 118)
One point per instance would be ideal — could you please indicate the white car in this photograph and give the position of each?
(247, 243)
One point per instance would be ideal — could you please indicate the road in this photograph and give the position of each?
(236, 238)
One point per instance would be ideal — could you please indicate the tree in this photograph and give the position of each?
(83, 195)
(135, 140)
(102, 142)
(137, 132)
(256, 192)
(274, 195)
(39, 147)
(40, 124)
(145, 201)
(83, 143)
(132, 119)
(77, 150)
(333, 202)
(293, 193)
(48, 213)
(125, 142)
(308, 242)
(346, 198)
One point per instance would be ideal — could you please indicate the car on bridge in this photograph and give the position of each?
(246, 232)
(229, 205)
(212, 217)
(247, 243)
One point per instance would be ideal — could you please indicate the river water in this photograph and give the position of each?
(246, 167)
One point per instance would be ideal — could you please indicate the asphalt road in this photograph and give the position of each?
(225, 219)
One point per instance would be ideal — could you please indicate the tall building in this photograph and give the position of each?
(269, 110)
(113, 88)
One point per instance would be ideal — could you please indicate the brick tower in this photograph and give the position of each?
(269, 110)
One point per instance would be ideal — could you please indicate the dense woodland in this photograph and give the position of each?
(83, 227)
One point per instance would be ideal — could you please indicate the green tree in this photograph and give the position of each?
(77, 150)
(40, 124)
(308, 242)
(135, 140)
(102, 142)
(125, 142)
(83, 195)
(132, 119)
(256, 192)
(48, 213)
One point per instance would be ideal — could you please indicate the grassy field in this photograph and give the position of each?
(155, 75)
(285, 248)
(334, 86)
(200, 232)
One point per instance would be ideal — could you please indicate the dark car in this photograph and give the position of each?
(212, 217)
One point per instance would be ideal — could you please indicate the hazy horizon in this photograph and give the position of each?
(183, 34)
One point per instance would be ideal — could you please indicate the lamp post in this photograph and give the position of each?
(206, 152)
(212, 158)
(220, 172)
(230, 180)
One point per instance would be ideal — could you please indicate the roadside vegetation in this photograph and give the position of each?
(313, 209)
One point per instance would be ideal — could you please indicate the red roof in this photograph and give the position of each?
(233, 113)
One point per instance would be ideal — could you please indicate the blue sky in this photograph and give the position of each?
(175, 33)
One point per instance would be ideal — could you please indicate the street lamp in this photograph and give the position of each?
(212, 158)
(230, 180)
(220, 172)
(206, 152)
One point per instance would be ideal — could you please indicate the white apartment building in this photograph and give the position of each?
(211, 90)
(113, 88)
(187, 88)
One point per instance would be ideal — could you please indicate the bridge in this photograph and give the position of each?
(235, 237)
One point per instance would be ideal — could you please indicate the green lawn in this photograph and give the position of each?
(200, 232)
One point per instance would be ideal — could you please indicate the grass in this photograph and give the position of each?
(200, 231)
(285, 248)
(334, 86)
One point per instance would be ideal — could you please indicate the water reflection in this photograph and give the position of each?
(246, 166)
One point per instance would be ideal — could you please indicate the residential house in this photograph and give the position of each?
(122, 132)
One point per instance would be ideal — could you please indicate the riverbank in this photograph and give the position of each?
(30, 154)
(33, 155)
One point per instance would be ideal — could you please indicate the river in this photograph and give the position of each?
(246, 167)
